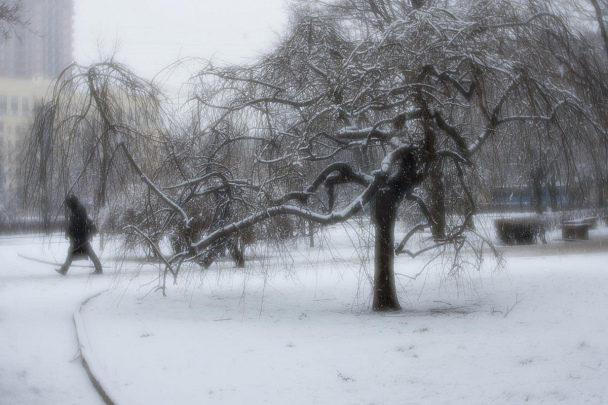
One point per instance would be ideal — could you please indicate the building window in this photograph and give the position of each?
(3, 104)
(25, 106)
(14, 105)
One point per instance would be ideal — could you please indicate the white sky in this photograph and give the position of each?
(151, 34)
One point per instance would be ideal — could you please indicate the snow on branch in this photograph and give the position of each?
(289, 209)
(547, 118)
(168, 200)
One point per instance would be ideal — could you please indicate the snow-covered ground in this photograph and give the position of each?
(39, 360)
(302, 332)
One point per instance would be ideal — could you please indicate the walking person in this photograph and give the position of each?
(80, 230)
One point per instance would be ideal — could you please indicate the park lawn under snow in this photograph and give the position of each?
(298, 329)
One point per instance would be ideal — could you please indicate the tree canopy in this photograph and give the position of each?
(362, 105)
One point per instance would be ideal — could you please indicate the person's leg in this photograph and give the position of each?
(94, 259)
(68, 262)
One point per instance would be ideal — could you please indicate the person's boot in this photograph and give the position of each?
(96, 263)
(61, 271)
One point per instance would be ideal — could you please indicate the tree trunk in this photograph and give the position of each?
(403, 177)
(600, 22)
(536, 179)
(552, 191)
(385, 293)
(311, 236)
(437, 201)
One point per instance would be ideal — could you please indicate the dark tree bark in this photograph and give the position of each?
(553, 193)
(417, 3)
(536, 179)
(600, 22)
(403, 177)
(385, 293)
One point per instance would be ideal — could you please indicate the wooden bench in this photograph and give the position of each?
(591, 221)
(578, 229)
(520, 231)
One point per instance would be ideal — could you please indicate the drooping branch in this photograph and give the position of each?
(599, 15)
(373, 184)
(152, 186)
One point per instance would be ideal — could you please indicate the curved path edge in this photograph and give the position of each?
(89, 361)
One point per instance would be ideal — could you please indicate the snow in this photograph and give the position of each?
(39, 358)
(299, 330)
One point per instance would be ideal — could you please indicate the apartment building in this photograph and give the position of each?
(35, 54)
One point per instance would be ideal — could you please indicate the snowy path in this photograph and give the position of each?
(39, 359)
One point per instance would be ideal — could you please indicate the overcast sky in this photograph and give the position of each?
(151, 34)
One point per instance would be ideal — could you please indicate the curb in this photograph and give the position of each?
(89, 361)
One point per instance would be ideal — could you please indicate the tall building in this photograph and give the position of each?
(42, 47)
(30, 59)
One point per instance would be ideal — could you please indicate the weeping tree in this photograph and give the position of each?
(77, 141)
(10, 18)
(366, 104)
(589, 75)
(566, 149)
(361, 107)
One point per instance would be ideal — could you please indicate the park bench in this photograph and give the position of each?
(520, 231)
(578, 229)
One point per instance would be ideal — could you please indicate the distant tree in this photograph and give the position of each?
(9, 17)
(570, 154)
(593, 72)
(74, 144)
(599, 8)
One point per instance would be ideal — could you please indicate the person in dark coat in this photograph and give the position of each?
(80, 230)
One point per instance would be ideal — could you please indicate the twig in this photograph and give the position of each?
(345, 379)
(517, 301)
